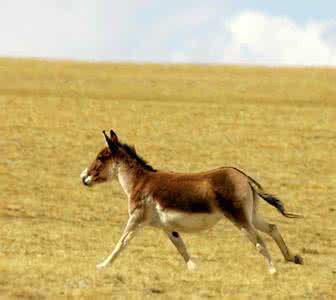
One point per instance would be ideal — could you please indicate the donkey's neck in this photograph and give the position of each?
(128, 177)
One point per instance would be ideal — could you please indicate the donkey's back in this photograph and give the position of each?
(203, 192)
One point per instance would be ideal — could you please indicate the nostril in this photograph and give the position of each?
(83, 180)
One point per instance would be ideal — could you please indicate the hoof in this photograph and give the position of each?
(298, 260)
(272, 270)
(100, 266)
(191, 266)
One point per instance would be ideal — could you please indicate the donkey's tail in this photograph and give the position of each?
(270, 199)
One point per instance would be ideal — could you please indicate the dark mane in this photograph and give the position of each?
(130, 151)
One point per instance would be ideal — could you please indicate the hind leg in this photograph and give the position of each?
(257, 241)
(240, 212)
(272, 230)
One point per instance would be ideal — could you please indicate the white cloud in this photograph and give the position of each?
(265, 39)
(204, 35)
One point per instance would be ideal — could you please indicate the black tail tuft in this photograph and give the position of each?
(278, 205)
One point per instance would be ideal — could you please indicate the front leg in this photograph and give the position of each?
(132, 226)
(182, 249)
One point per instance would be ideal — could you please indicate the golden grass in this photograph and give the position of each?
(277, 124)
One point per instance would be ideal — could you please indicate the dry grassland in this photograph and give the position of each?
(277, 124)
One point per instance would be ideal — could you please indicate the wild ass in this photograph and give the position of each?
(183, 202)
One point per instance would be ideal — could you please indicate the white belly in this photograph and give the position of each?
(185, 222)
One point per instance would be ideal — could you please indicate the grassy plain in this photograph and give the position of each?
(277, 124)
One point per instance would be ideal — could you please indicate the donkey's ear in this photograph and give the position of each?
(112, 143)
(113, 136)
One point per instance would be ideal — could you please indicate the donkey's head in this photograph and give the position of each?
(104, 166)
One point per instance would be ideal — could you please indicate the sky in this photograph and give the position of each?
(259, 32)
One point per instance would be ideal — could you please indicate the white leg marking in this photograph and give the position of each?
(131, 227)
(271, 268)
(181, 248)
